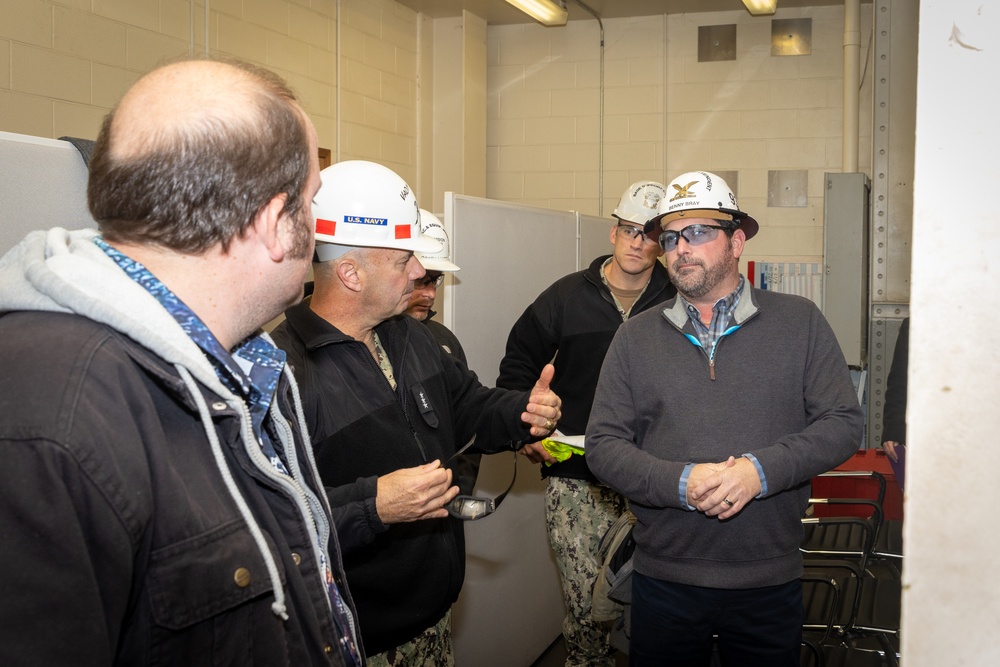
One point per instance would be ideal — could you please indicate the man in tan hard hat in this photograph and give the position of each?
(577, 317)
(388, 409)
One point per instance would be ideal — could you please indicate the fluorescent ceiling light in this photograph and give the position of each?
(546, 12)
(757, 7)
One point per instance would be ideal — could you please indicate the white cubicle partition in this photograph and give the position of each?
(595, 238)
(43, 184)
(511, 606)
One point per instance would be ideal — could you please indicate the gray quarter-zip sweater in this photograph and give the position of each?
(781, 391)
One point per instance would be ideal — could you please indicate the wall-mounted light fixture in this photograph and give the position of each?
(758, 7)
(546, 12)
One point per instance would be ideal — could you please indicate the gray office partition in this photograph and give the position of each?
(511, 607)
(595, 238)
(43, 184)
(846, 254)
(508, 253)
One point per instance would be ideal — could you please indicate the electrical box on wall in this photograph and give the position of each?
(846, 207)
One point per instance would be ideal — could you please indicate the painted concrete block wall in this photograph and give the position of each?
(378, 96)
(64, 63)
(666, 113)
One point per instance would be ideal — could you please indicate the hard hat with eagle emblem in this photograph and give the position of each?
(699, 194)
(640, 202)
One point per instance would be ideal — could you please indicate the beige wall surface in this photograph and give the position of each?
(379, 64)
(64, 63)
(666, 113)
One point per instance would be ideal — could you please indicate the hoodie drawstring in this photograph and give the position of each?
(278, 606)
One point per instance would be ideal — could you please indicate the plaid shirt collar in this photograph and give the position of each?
(722, 313)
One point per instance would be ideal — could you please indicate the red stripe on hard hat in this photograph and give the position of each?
(326, 226)
(402, 231)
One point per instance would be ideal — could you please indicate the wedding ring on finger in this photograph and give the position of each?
(728, 502)
(549, 424)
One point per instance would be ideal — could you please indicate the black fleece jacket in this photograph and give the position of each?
(576, 317)
(404, 577)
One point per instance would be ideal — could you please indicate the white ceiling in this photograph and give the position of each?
(500, 12)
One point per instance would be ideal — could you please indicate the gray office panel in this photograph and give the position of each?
(595, 238)
(845, 255)
(508, 253)
(43, 184)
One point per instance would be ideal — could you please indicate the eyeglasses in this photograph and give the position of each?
(693, 234)
(427, 281)
(631, 232)
(470, 508)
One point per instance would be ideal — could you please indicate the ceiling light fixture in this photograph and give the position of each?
(758, 7)
(546, 12)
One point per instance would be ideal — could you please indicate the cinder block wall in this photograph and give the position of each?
(666, 113)
(64, 63)
(378, 96)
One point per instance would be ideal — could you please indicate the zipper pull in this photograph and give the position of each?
(711, 369)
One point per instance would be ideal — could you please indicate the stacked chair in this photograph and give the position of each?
(851, 583)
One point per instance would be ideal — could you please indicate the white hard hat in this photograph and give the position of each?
(437, 259)
(640, 202)
(699, 194)
(362, 204)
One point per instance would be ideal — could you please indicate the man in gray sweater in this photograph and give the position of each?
(712, 415)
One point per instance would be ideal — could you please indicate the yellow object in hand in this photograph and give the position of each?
(560, 451)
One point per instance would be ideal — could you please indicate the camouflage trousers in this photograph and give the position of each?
(431, 648)
(577, 514)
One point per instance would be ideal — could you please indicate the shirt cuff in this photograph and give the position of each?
(683, 487)
(760, 473)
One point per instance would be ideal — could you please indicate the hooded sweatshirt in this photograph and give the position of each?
(142, 522)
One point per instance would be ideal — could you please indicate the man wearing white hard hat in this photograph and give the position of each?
(436, 263)
(576, 317)
(387, 409)
(711, 416)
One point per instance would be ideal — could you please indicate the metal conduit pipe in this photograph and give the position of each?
(600, 120)
(336, 88)
(852, 77)
(191, 40)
